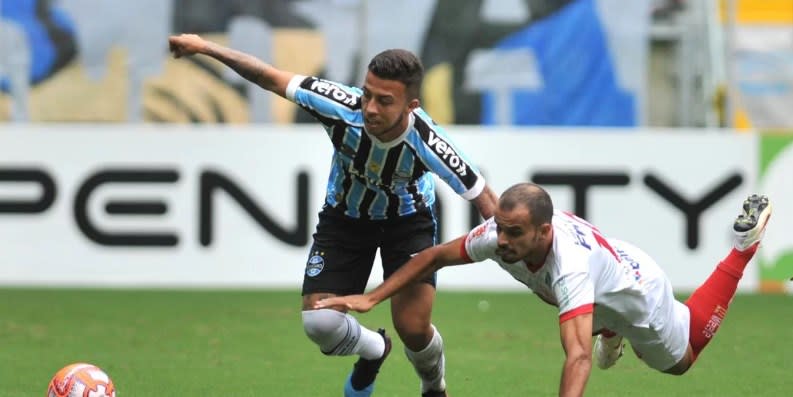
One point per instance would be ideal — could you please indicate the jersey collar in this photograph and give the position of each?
(398, 140)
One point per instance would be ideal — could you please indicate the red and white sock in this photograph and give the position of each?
(708, 304)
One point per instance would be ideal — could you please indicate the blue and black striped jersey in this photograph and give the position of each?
(370, 179)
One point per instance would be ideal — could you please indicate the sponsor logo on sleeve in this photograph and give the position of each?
(447, 153)
(334, 92)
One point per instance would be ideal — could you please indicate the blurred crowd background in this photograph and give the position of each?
(665, 63)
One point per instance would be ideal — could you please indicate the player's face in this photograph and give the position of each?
(518, 239)
(385, 107)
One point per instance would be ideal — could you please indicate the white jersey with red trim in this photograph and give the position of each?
(585, 272)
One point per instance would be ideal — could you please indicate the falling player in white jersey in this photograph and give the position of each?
(602, 286)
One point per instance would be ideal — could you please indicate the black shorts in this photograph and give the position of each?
(342, 256)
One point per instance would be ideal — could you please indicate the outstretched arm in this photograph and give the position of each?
(426, 262)
(246, 65)
(576, 334)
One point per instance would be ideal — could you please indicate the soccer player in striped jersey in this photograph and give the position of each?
(602, 286)
(380, 194)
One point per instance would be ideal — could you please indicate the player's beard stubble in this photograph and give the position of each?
(387, 130)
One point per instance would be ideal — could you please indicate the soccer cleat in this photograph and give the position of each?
(433, 393)
(360, 383)
(608, 350)
(350, 392)
(749, 226)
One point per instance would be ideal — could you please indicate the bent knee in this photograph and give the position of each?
(322, 325)
(681, 367)
(684, 364)
(677, 371)
(415, 337)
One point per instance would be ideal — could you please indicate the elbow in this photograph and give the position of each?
(438, 258)
(431, 261)
(432, 267)
(436, 264)
(486, 209)
(262, 81)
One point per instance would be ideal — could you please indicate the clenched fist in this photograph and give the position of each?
(186, 45)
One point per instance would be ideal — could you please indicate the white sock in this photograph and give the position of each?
(430, 363)
(340, 334)
(371, 345)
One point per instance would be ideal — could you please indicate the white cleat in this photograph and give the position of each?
(608, 351)
(749, 226)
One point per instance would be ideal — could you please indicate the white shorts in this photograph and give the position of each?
(660, 338)
(665, 342)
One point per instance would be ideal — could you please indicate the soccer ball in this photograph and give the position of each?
(81, 380)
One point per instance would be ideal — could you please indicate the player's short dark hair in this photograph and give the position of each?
(400, 65)
(531, 196)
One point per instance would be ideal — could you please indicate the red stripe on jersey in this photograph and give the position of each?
(605, 244)
(464, 252)
(584, 309)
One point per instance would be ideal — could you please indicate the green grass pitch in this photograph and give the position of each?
(251, 343)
